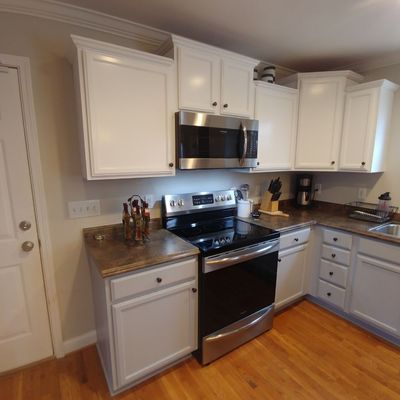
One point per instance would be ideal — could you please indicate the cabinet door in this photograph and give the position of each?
(291, 276)
(375, 293)
(359, 125)
(276, 110)
(321, 103)
(129, 118)
(198, 80)
(237, 88)
(154, 330)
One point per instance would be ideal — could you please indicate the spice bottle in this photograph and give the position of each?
(146, 220)
(138, 225)
(134, 204)
(126, 222)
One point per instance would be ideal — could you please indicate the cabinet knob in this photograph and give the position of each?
(171, 164)
(329, 294)
(258, 163)
(215, 104)
(335, 239)
(333, 255)
(279, 259)
(330, 273)
(25, 225)
(194, 290)
(226, 105)
(363, 163)
(159, 280)
(332, 162)
(296, 239)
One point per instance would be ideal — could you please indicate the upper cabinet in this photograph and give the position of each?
(366, 122)
(127, 102)
(276, 111)
(212, 80)
(321, 105)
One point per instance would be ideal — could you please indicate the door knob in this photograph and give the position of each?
(25, 225)
(27, 246)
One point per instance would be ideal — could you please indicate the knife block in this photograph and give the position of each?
(267, 204)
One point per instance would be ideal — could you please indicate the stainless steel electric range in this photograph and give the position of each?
(237, 269)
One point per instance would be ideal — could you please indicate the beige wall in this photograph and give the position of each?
(50, 49)
(342, 187)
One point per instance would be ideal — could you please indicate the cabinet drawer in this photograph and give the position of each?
(294, 238)
(333, 273)
(331, 293)
(153, 278)
(379, 249)
(337, 238)
(335, 254)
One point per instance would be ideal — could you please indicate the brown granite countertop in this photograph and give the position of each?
(113, 256)
(322, 213)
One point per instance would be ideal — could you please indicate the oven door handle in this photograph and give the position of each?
(225, 260)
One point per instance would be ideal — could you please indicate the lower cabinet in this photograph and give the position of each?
(145, 320)
(291, 275)
(376, 293)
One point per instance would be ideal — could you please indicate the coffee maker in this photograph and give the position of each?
(304, 190)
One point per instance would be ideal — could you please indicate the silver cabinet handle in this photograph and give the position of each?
(25, 225)
(27, 246)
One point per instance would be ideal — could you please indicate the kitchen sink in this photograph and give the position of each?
(387, 229)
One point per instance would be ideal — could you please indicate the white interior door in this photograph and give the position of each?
(24, 324)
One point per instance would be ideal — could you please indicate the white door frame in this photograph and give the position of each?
(39, 200)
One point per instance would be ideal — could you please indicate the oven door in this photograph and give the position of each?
(238, 284)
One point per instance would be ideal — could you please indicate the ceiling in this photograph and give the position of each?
(304, 35)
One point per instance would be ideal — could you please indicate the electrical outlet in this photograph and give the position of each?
(318, 188)
(149, 199)
(362, 194)
(82, 209)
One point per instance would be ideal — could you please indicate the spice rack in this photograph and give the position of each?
(136, 220)
(369, 212)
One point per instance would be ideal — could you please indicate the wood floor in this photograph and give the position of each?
(310, 354)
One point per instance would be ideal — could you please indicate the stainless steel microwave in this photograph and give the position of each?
(206, 141)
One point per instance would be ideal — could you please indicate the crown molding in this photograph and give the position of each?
(74, 15)
(374, 62)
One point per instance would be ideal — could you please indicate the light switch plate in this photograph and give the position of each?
(82, 209)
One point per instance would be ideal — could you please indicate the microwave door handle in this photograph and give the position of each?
(244, 153)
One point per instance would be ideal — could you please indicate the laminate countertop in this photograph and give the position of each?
(322, 213)
(114, 256)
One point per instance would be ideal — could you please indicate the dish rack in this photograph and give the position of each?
(369, 212)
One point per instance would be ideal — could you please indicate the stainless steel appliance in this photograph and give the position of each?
(304, 190)
(237, 269)
(206, 141)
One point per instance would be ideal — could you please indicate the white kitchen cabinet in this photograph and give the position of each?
(212, 80)
(320, 117)
(368, 110)
(154, 330)
(276, 111)
(375, 296)
(292, 268)
(127, 103)
(145, 320)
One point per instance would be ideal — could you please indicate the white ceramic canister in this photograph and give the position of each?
(244, 208)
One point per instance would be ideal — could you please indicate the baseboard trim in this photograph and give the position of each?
(80, 342)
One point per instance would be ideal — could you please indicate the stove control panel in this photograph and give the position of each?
(176, 204)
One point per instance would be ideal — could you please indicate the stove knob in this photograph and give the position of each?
(223, 197)
(228, 239)
(172, 203)
(222, 240)
(229, 197)
(216, 242)
(218, 198)
(180, 203)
